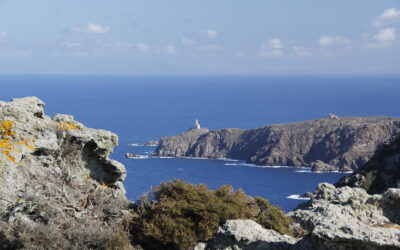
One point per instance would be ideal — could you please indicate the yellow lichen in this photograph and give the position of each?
(8, 143)
(67, 126)
(104, 186)
(5, 128)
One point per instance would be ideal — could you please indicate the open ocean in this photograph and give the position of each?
(142, 108)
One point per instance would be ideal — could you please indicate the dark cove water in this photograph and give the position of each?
(141, 108)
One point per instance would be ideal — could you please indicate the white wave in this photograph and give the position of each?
(241, 164)
(304, 171)
(140, 145)
(258, 166)
(297, 197)
(226, 159)
(320, 172)
(140, 157)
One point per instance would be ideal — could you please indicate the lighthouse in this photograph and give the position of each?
(196, 125)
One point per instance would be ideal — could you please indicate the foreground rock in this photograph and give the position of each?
(336, 218)
(380, 173)
(59, 188)
(330, 144)
(349, 218)
(247, 234)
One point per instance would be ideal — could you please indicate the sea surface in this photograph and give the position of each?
(142, 108)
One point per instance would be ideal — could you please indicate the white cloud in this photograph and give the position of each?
(188, 41)
(3, 34)
(383, 39)
(387, 17)
(211, 47)
(274, 43)
(388, 34)
(300, 51)
(169, 49)
(92, 28)
(143, 46)
(333, 40)
(209, 33)
(273, 48)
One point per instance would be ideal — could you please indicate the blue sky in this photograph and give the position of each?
(200, 37)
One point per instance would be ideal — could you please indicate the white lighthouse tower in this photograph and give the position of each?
(196, 125)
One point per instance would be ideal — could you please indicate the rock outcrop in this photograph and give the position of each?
(349, 218)
(247, 234)
(330, 144)
(336, 218)
(59, 188)
(380, 173)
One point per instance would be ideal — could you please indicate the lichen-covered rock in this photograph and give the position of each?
(349, 218)
(247, 234)
(330, 144)
(335, 218)
(56, 176)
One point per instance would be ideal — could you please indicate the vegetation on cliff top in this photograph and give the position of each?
(177, 215)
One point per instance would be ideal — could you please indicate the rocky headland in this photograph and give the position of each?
(329, 144)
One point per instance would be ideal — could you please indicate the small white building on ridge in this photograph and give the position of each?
(196, 125)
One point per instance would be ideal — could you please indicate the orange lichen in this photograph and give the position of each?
(5, 128)
(67, 126)
(8, 143)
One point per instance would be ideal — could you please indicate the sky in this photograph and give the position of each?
(129, 37)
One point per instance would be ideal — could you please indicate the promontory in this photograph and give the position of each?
(329, 144)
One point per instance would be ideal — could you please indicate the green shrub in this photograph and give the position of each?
(181, 214)
(271, 217)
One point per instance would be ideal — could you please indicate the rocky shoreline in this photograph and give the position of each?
(60, 190)
(330, 144)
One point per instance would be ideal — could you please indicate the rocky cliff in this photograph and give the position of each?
(380, 173)
(328, 144)
(59, 188)
(335, 218)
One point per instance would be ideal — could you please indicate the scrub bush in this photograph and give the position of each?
(177, 215)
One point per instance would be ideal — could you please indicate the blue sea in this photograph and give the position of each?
(142, 108)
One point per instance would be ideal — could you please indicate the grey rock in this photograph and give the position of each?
(247, 234)
(335, 218)
(55, 171)
(350, 218)
(149, 143)
(329, 144)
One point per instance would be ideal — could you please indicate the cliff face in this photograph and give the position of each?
(380, 173)
(329, 144)
(59, 189)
